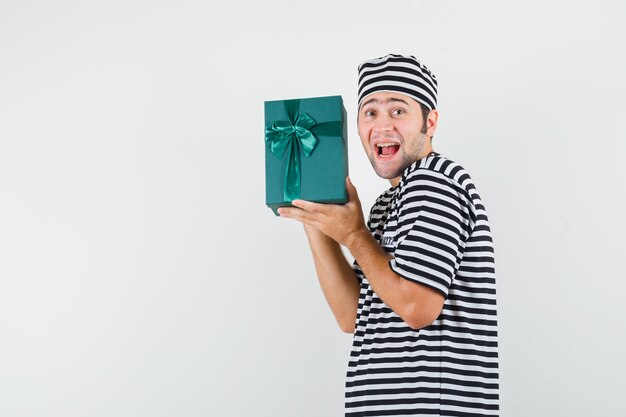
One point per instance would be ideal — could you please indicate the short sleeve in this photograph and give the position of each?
(434, 223)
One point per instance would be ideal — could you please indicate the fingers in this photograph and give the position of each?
(309, 206)
(300, 215)
(288, 212)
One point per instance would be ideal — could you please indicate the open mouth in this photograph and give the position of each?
(387, 150)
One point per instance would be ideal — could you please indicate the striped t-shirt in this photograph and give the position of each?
(435, 226)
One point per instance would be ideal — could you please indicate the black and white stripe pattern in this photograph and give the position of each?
(403, 74)
(435, 225)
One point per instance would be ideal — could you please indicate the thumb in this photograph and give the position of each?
(352, 194)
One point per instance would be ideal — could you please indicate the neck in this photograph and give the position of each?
(394, 181)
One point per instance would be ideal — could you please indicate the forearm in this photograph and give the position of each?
(337, 278)
(412, 302)
(329, 225)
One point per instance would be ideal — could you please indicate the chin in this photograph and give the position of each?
(392, 168)
(388, 173)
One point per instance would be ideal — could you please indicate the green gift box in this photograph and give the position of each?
(305, 151)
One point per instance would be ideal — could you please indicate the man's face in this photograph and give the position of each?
(391, 128)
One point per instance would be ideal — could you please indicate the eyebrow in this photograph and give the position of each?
(389, 100)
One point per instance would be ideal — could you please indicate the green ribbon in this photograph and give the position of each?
(293, 136)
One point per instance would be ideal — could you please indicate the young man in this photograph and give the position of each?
(420, 297)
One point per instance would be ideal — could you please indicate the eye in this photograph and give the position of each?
(368, 113)
(398, 112)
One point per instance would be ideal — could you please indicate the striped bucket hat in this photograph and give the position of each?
(399, 73)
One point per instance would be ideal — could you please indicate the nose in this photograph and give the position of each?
(383, 123)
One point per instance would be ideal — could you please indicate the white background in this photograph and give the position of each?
(141, 273)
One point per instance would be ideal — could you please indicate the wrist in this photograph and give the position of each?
(316, 235)
(356, 239)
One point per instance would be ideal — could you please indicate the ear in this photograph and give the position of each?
(431, 122)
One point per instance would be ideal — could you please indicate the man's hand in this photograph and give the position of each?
(342, 223)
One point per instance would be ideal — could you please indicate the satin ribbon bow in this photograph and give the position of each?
(295, 135)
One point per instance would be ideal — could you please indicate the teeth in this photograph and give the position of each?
(386, 145)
